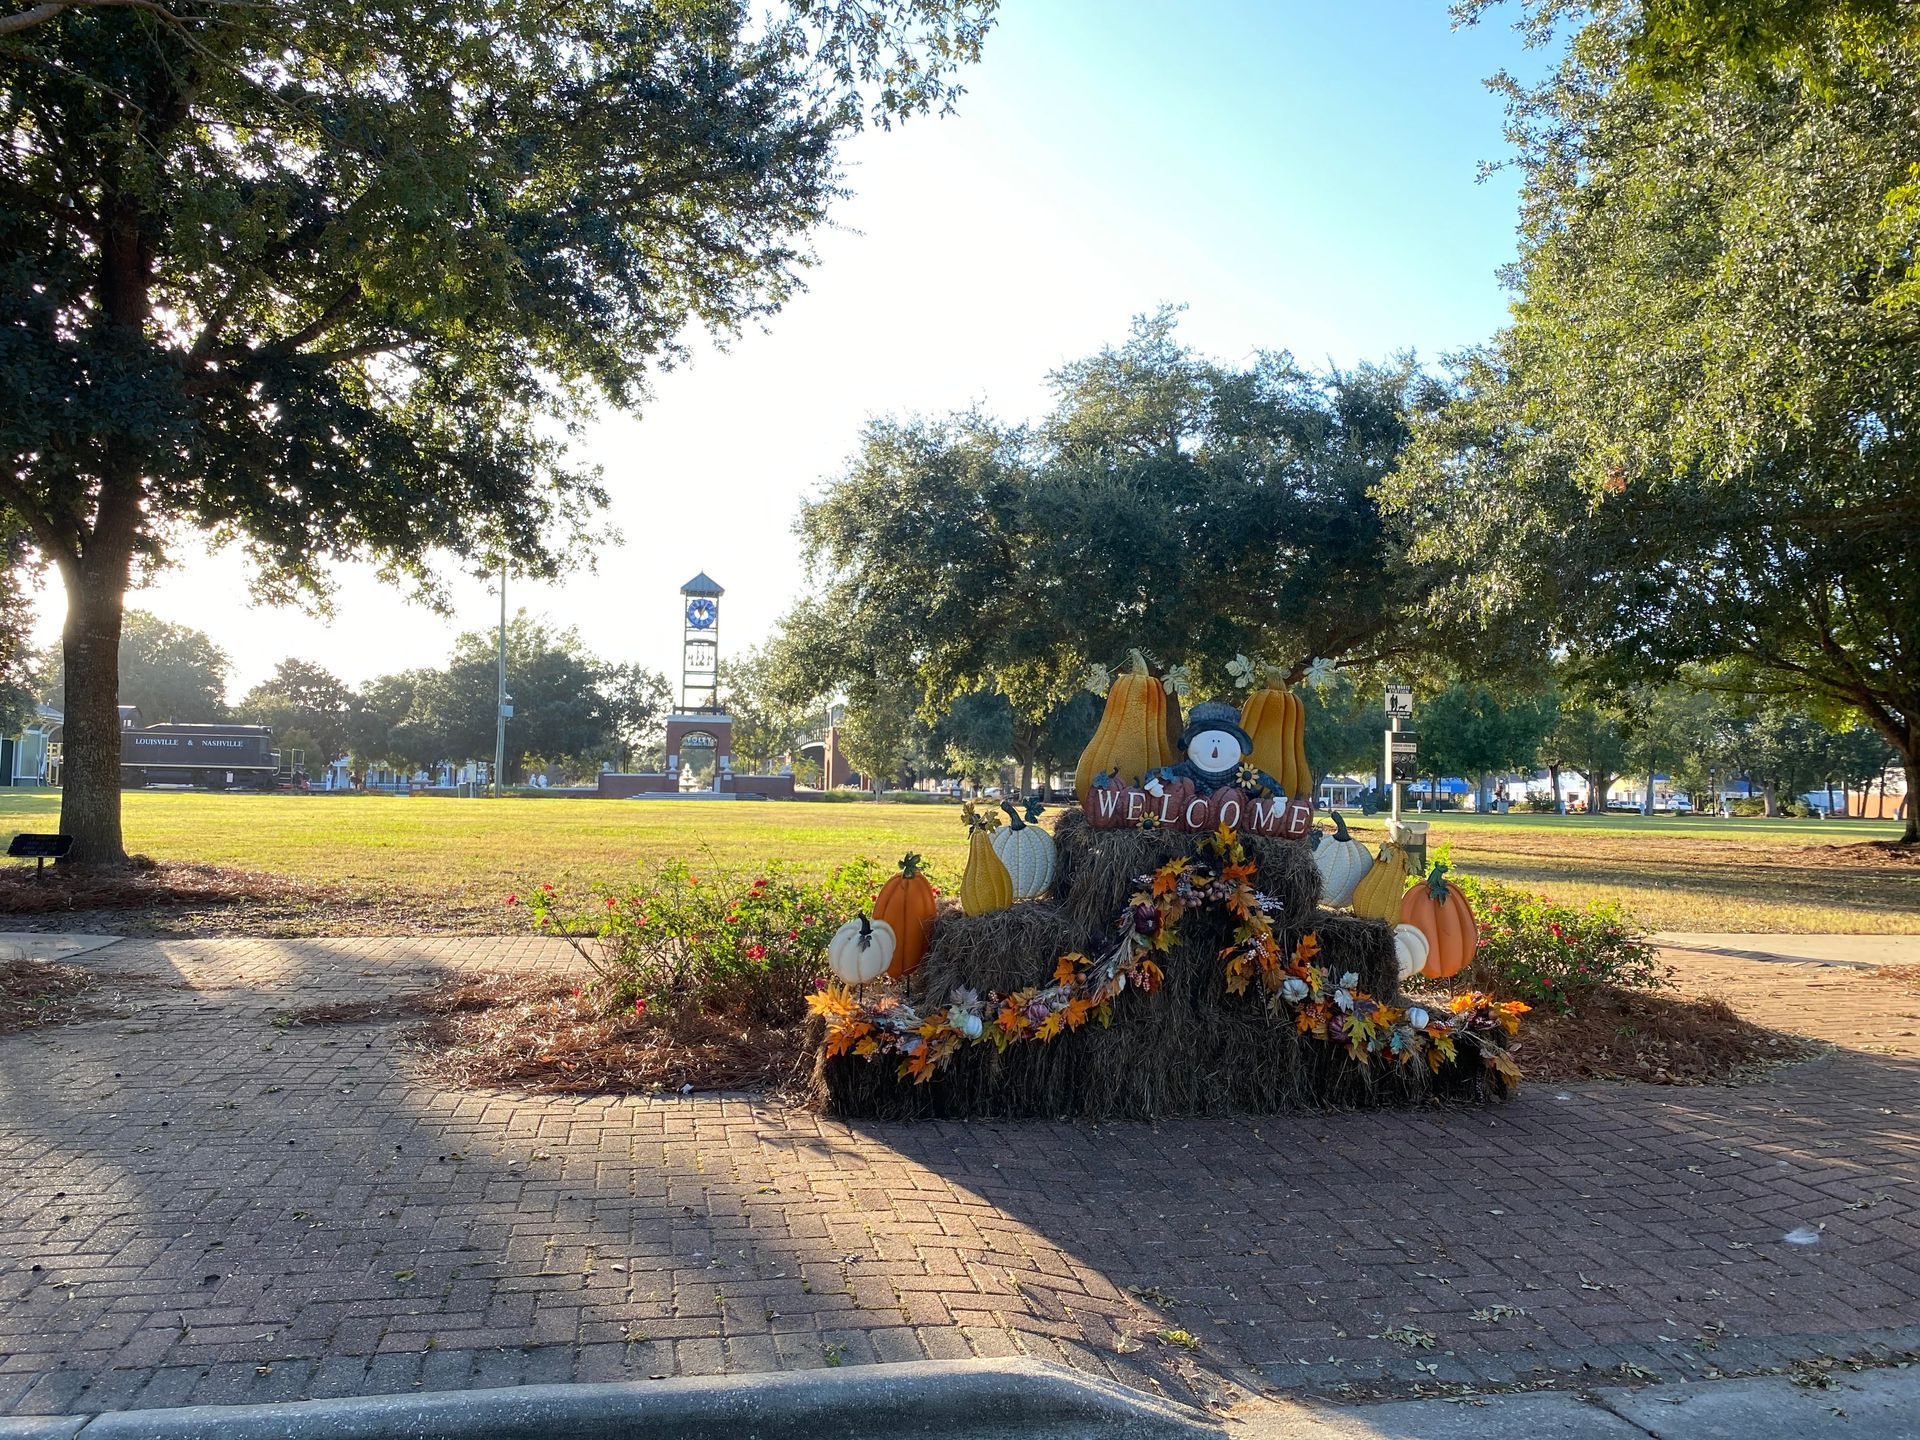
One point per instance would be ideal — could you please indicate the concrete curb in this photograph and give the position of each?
(968, 1399)
(1864, 1405)
(1001, 1399)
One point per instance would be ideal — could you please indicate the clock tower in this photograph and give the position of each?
(699, 723)
(700, 645)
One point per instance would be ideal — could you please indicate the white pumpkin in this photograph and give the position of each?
(1343, 862)
(861, 950)
(1410, 949)
(1027, 852)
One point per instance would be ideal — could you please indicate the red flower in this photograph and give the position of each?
(733, 919)
(793, 934)
(547, 888)
(513, 899)
(819, 984)
(611, 902)
(1557, 934)
(756, 952)
(639, 1006)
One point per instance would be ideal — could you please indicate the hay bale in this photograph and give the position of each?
(1007, 950)
(1188, 1049)
(1096, 869)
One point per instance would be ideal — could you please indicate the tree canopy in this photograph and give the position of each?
(1695, 442)
(336, 279)
(167, 671)
(1166, 501)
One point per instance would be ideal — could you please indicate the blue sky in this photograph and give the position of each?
(1301, 176)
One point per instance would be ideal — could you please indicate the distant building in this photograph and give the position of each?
(28, 757)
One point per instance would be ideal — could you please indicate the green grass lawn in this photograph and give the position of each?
(1677, 874)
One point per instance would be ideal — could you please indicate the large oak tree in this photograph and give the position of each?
(1696, 442)
(1167, 502)
(336, 278)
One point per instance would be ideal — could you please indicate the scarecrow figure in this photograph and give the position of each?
(1215, 747)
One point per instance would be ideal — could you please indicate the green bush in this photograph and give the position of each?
(725, 942)
(1549, 953)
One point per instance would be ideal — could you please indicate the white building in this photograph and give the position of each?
(30, 757)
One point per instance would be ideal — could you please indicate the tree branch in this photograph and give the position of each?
(38, 523)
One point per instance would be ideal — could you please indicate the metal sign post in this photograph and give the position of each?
(1403, 766)
(1399, 706)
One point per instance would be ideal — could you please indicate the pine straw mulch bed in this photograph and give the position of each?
(1864, 852)
(1656, 1039)
(554, 1038)
(36, 993)
(156, 899)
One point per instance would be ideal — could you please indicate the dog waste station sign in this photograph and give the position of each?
(1403, 756)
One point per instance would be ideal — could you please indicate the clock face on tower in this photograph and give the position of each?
(701, 613)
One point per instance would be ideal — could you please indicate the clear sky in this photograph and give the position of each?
(1301, 176)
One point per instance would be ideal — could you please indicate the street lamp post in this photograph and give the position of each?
(500, 708)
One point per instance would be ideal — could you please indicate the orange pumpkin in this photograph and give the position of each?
(1132, 735)
(1440, 912)
(907, 902)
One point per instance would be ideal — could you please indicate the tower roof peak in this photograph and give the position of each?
(703, 584)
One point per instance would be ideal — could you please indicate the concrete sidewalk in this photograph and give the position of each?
(1863, 952)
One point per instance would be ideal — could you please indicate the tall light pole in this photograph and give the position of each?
(500, 708)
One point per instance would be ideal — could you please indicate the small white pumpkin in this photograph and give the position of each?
(1410, 949)
(1343, 862)
(1026, 850)
(861, 950)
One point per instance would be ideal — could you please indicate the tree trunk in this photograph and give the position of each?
(90, 768)
(1910, 763)
(1771, 791)
(1646, 801)
(1559, 804)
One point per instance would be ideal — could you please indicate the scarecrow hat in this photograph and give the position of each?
(1215, 715)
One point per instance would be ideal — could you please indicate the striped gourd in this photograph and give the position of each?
(1132, 736)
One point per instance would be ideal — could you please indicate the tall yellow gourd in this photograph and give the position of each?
(1378, 895)
(1132, 736)
(987, 885)
(1275, 720)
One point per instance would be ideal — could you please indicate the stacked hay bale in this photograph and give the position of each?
(1190, 1048)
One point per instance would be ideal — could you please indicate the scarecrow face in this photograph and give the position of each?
(1214, 751)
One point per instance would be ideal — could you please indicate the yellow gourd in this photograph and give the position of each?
(1275, 721)
(987, 885)
(1132, 735)
(1378, 895)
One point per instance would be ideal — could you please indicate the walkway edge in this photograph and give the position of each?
(974, 1400)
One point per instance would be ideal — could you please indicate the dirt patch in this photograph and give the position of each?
(1866, 852)
(141, 884)
(1658, 1039)
(556, 1037)
(34, 993)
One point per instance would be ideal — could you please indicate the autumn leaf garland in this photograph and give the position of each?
(1083, 989)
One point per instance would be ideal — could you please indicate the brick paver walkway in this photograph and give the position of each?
(200, 1206)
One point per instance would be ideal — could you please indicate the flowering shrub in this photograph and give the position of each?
(1549, 953)
(744, 944)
